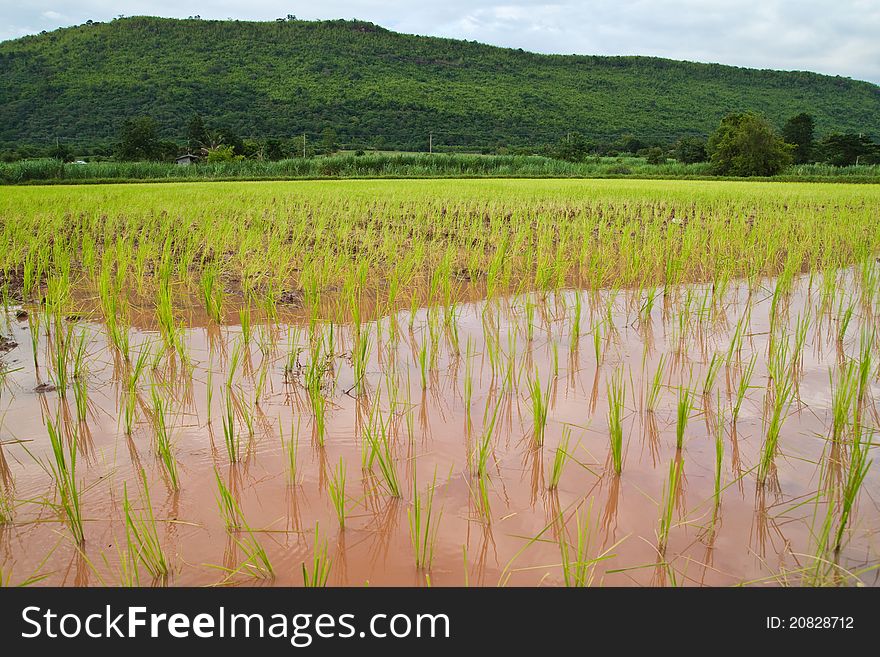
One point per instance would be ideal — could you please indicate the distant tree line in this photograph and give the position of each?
(743, 144)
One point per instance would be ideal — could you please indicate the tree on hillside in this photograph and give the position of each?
(744, 144)
(689, 150)
(846, 149)
(328, 141)
(798, 131)
(139, 140)
(655, 155)
(572, 148)
(196, 133)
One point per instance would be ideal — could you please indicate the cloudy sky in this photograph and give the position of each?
(838, 37)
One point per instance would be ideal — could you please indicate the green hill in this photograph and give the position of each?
(380, 88)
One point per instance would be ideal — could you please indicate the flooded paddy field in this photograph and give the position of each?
(477, 383)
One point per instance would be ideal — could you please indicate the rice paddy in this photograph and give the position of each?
(472, 382)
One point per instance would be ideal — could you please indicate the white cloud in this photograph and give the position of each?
(52, 15)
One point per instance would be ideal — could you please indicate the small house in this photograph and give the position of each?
(186, 160)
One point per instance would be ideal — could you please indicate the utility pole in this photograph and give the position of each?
(430, 142)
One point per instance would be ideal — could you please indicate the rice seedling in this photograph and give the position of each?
(719, 451)
(782, 398)
(743, 387)
(711, 374)
(560, 458)
(336, 487)
(164, 448)
(377, 436)
(423, 524)
(578, 567)
(63, 469)
(656, 384)
(616, 395)
(859, 464)
(230, 436)
(212, 294)
(142, 535)
(227, 504)
(319, 572)
(667, 504)
(683, 411)
(540, 408)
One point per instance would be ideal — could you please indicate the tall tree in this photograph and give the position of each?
(196, 133)
(745, 145)
(139, 140)
(690, 149)
(846, 149)
(798, 131)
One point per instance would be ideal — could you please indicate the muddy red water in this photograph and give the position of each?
(520, 532)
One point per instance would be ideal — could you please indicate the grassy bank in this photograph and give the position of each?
(403, 165)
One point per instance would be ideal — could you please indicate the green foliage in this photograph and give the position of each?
(380, 89)
(655, 155)
(690, 150)
(196, 133)
(745, 145)
(799, 132)
(139, 140)
(849, 149)
(223, 153)
(572, 148)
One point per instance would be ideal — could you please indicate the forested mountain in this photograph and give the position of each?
(382, 89)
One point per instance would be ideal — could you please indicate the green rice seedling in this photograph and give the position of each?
(865, 367)
(34, 329)
(423, 363)
(468, 377)
(711, 374)
(530, 318)
(577, 565)
(227, 504)
(576, 323)
(656, 385)
(844, 320)
(540, 408)
(291, 448)
(212, 294)
(244, 318)
(782, 398)
(359, 357)
(142, 535)
(317, 575)
(843, 399)
(377, 435)
(336, 486)
(560, 458)
(164, 448)
(743, 387)
(63, 468)
(719, 451)
(667, 504)
(597, 341)
(683, 411)
(230, 435)
(802, 327)
(130, 389)
(855, 477)
(423, 525)
(256, 561)
(484, 445)
(616, 396)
